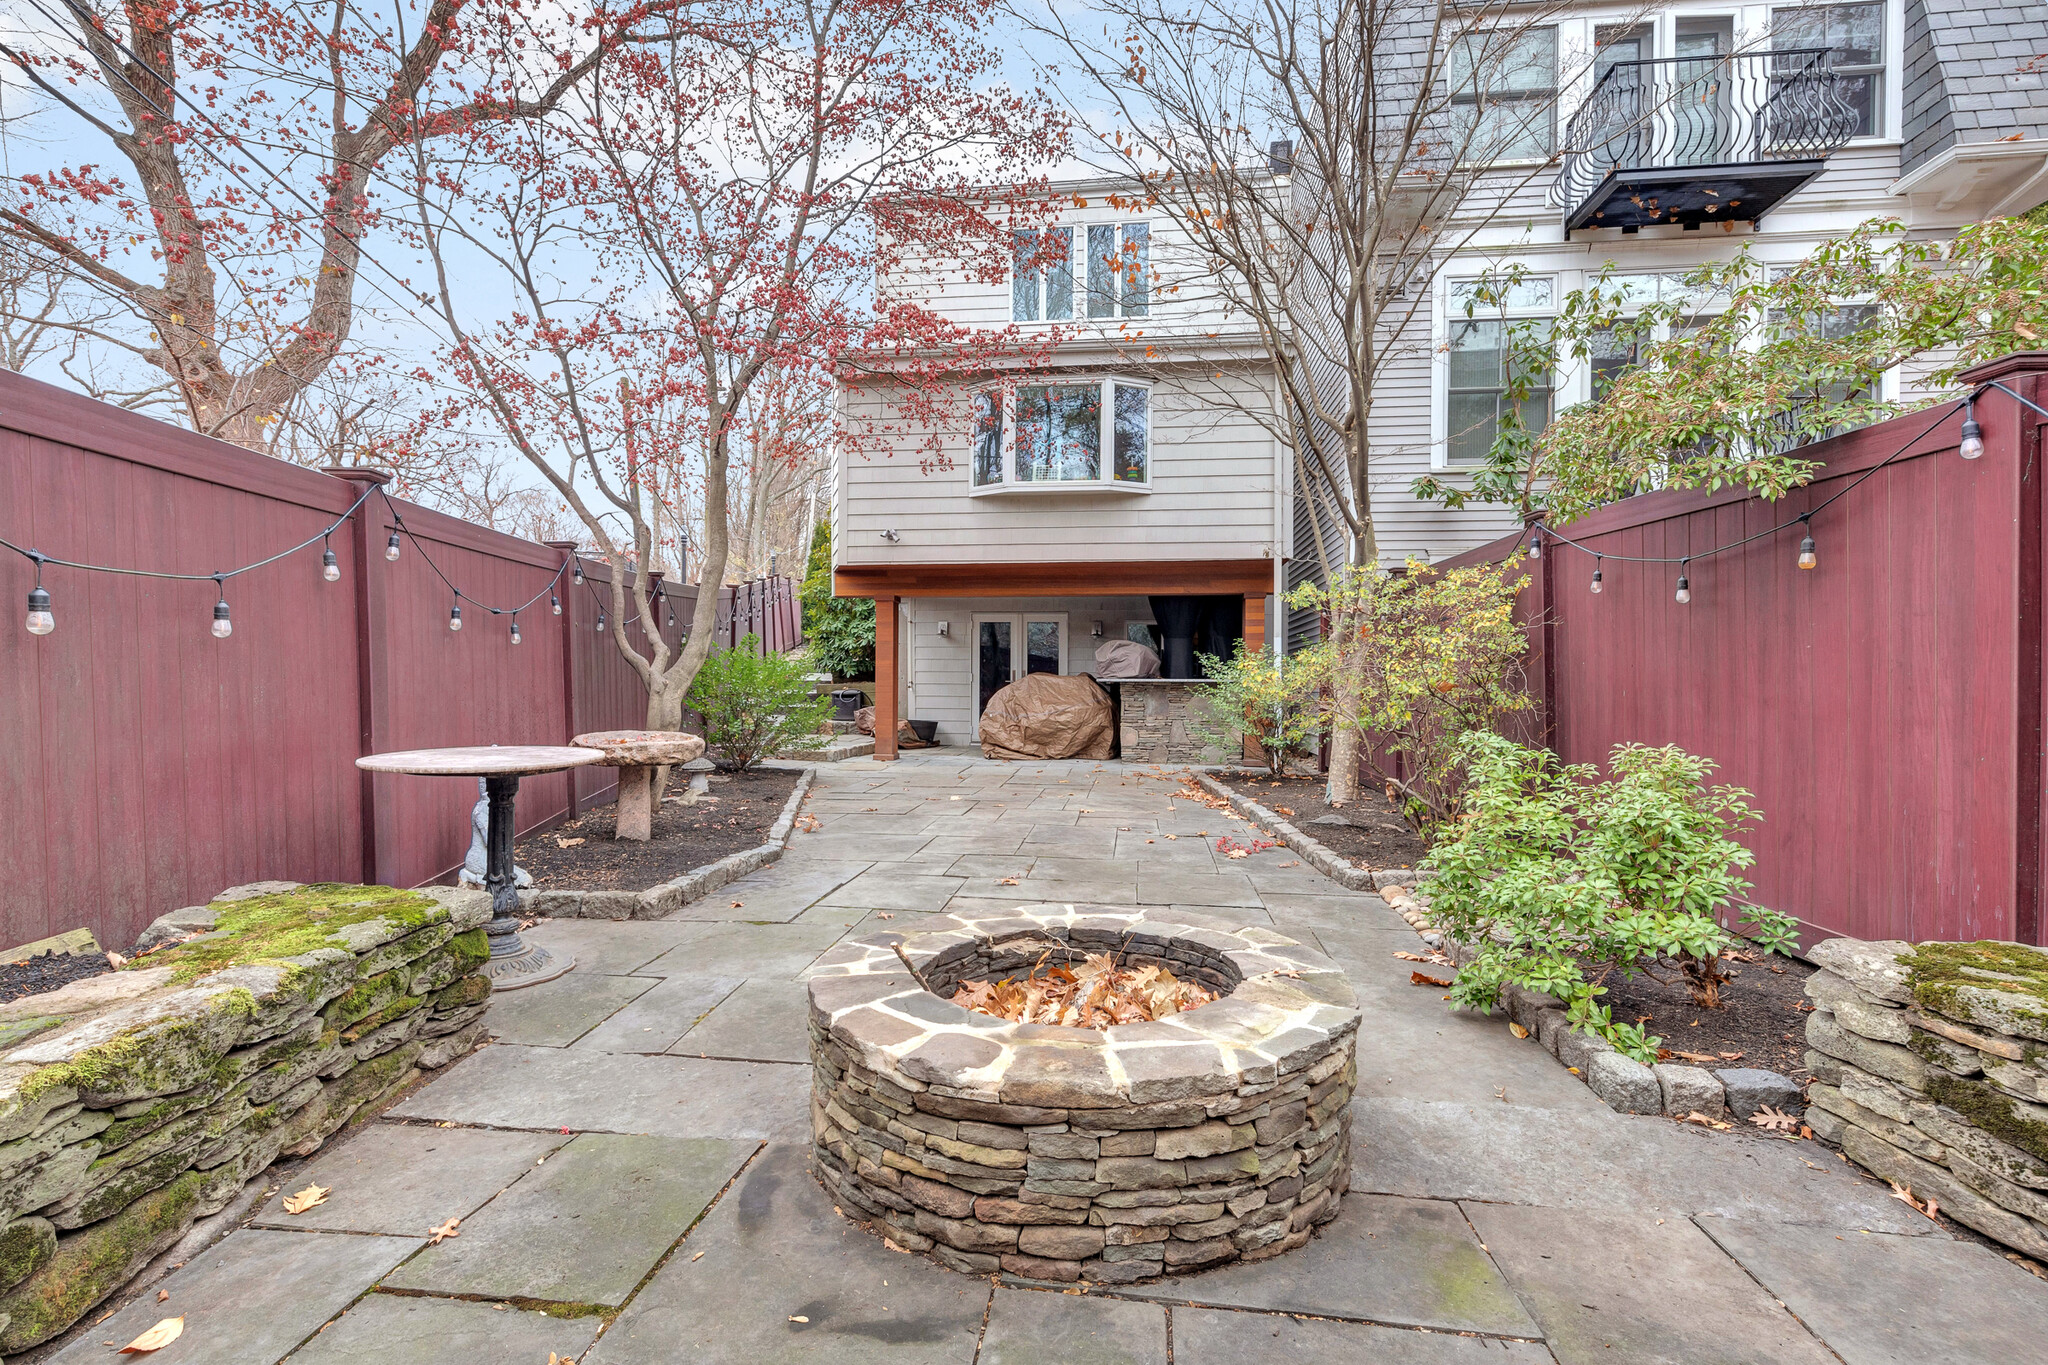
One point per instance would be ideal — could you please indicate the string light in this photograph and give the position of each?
(1684, 593)
(1972, 446)
(554, 605)
(329, 570)
(1807, 558)
(1536, 543)
(515, 627)
(577, 576)
(222, 625)
(40, 620)
(391, 547)
(1596, 572)
(600, 623)
(455, 617)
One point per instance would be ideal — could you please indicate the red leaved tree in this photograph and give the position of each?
(229, 215)
(623, 278)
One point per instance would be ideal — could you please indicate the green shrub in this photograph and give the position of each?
(1253, 697)
(839, 630)
(1552, 872)
(755, 704)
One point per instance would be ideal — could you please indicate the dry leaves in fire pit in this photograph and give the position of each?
(1093, 993)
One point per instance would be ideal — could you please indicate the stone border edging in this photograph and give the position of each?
(677, 892)
(1319, 856)
(1670, 1089)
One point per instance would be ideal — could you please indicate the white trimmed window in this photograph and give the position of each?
(1042, 275)
(1478, 368)
(1503, 89)
(1854, 38)
(1070, 434)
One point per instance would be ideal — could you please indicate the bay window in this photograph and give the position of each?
(1073, 434)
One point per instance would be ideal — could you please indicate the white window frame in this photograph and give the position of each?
(1553, 94)
(1890, 120)
(1020, 624)
(1107, 482)
(1449, 313)
(1077, 291)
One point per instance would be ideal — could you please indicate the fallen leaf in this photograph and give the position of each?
(1006, 881)
(305, 1199)
(1283, 810)
(446, 1230)
(799, 1319)
(698, 1257)
(1418, 979)
(738, 904)
(1773, 1119)
(1692, 1056)
(1411, 957)
(156, 1338)
(885, 914)
(1729, 1056)
(1237, 853)
(114, 960)
(1517, 1029)
(162, 1294)
(566, 843)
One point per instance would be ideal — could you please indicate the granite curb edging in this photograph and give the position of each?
(1670, 1089)
(1312, 850)
(1064, 1154)
(677, 892)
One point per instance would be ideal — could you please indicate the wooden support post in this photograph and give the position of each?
(1254, 639)
(885, 678)
(569, 725)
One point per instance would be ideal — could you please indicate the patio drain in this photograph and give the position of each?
(1110, 1155)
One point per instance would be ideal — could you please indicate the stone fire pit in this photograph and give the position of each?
(1216, 1135)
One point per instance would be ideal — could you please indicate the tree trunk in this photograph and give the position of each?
(664, 712)
(1341, 786)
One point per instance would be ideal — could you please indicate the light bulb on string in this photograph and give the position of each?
(1808, 559)
(40, 620)
(515, 627)
(1972, 446)
(391, 547)
(1536, 544)
(576, 574)
(1597, 561)
(222, 625)
(600, 623)
(329, 569)
(455, 617)
(1684, 593)
(554, 605)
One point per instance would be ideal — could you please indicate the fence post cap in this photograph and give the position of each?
(359, 473)
(2019, 362)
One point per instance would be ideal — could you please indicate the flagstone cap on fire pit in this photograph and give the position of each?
(886, 997)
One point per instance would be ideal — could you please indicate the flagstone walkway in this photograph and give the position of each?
(629, 1159)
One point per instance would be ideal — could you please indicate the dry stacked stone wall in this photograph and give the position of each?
(1215, 1135)
(134, 1103)
(1930, 1068)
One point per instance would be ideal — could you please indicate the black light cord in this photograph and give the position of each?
(398, 520)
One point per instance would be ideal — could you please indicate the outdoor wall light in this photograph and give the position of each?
(1095, 630)
(945, 629)
(891, 536)
(40, 621)
(1972, 447)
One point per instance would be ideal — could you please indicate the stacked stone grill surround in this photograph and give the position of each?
(204, 1085)
(1945, 1092)
(1219, 1134)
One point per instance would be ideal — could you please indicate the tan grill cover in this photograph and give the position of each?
(1125, 659)
(1046, 715)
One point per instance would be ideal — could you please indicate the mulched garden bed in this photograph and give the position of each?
(1373, 833)
(34, 975)
(1763, 1014)
(735, 815)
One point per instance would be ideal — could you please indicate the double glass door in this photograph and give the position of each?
(1009, 645)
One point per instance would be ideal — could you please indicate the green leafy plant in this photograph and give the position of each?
(1417, 661)
(755, 704)
(1557, 877)
(1254, 696)
(839, 630)
(1756, 363)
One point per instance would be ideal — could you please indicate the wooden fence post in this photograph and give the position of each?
(568, 549)
(373, 670)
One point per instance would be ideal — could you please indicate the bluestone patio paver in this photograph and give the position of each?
(584, 1227)
(554, 1088)
(1408, 1262)
(1884, 1300)
(743, 950)
(775, 1251)
(1613, 1287)
(405, 1329)
(656, 1021)
(780, 891)
(408, 1179)
(1205, 1336)
(606, 947)
(1032, 1327)
(762, 1021)
(890, 888)
(248, 1300)
(536, 1018)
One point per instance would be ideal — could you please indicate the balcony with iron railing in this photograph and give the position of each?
(1692, 140)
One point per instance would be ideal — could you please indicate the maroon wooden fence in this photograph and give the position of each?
(145, 765)
(1884, 707)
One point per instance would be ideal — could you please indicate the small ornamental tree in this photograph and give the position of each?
(1425, 658)
(755, 705)
(1253, 696)
(1558, 877)
(839, 630)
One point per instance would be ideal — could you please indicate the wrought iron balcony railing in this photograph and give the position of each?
(1700, 139)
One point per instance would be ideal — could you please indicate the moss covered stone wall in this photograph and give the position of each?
(1930, 1067)
(134, 1103)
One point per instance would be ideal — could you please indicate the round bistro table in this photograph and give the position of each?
(513, 962)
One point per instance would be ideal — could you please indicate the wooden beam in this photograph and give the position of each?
(885, 678)
(1178, 578)
(1254, 640)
